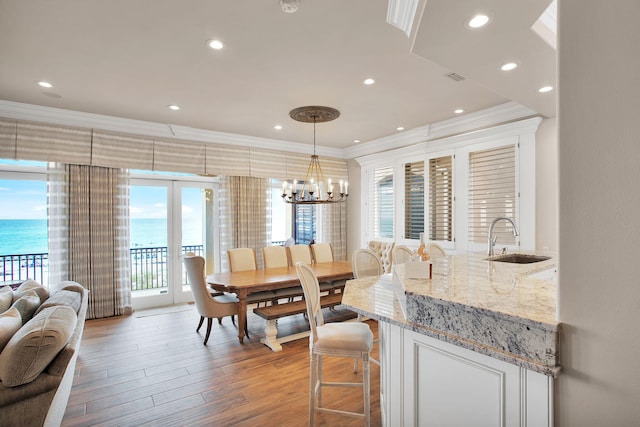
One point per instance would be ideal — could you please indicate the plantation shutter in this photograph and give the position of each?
(382, 196)
(493, 193)
(441, 198)
(413, 200)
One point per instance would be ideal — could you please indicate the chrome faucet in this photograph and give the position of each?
(492, 240)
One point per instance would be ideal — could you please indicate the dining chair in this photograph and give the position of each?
(401, 254)
(365, 263)
(322, 252)
(242, 259)
(340, 339)
(208, 306)
(435, 250)
(299, 253)
(275, 256)
(383, 251)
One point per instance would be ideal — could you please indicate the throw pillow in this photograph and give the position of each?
(10, 322)
(6, 298)
(27, 305)
(31, 285)
(63, 297)
(35, 345)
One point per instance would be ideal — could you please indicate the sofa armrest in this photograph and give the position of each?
(59, 365)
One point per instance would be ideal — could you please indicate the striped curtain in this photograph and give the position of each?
(245, 216)
(334, 228)
(89, 234)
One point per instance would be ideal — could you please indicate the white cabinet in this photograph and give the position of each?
(428, 382)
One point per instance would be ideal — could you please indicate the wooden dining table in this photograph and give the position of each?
(244, 283)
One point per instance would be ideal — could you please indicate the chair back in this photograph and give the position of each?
(322, 252)
(311, 290)
(275, 256)
(242, 259)
(194, 265)
(299, 253)
(435, 251)
(365, 263)
(401, 254)
(289, 242)
(383, 251)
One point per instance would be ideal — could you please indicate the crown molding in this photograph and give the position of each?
(401, 13)
(51, 115)
(489, 117)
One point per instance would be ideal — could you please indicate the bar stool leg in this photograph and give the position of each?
(313, 380)
(366, 388)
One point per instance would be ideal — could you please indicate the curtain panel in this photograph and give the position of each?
(89, 234)
(334, 228)
(245, 216)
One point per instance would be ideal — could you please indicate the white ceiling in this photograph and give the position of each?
(132, 59)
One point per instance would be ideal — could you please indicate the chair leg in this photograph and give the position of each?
(219, 320)
(366, 389)
(246, 330)
(200, 324)
(319, 380)
(313, 379)
(233, 320)
(209, 322)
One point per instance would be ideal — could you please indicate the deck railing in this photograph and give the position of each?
(148, 267)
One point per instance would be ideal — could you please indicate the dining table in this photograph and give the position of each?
(244, 283)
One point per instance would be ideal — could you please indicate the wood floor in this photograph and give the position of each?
(151, 369)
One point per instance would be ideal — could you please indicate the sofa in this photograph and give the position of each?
(40, 336)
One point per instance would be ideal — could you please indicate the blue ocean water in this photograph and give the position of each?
(29, 236)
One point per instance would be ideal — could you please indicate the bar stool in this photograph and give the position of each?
(346, 339)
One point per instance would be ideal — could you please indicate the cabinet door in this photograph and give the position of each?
(447, 385)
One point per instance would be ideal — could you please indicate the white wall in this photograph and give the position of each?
(547, 185)
(599, 164)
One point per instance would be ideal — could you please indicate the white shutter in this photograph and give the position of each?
(493, 193)
(413, 200)
(441, 199)
(382, 202)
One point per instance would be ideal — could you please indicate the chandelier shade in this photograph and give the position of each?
(315, 188)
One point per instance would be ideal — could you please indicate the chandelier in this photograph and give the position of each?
(314, 189)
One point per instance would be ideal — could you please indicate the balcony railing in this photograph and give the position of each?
(148, 267)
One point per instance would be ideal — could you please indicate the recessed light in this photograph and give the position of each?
(458, 111)
(277, 127)
(545, 89)
(509, 66)
(215, 44)
(174, 107)
(45, 84)
(400, 128)
(368, 81)
(356, 140)
(478, 21)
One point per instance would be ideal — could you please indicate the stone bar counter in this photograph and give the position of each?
(473, 311)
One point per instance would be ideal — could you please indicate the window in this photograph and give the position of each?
(305, 223)
(288, 220)
(441, 199)
(492, 193)
(383, 202)
(413, 200)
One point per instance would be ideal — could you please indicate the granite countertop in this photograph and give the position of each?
(503, 310)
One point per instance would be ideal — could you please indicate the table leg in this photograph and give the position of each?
(242, 314)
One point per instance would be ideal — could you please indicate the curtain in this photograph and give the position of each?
(334, 228)
(89, 234)
(245, 216)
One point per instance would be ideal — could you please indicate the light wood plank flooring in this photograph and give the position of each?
(153, 370)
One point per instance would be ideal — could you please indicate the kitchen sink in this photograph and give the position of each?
(519, 258)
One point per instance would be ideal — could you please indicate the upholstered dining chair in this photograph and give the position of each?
(340, 339)
(299, 253)
(322, 252)
(435, 250)
(275, 256)
(242, 259)
(208, 306)
(383, 251)
(401, 254)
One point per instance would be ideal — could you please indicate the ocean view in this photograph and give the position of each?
(29, 236)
